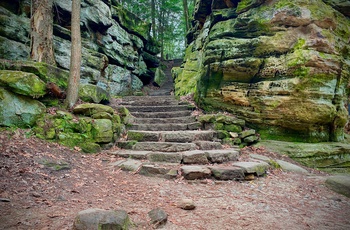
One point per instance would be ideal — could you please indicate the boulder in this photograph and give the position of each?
(23, 83)
(19, 111)
(102, 130)
(90, 109)
(158, 217)
(330, 156)
(93, 93)
(95, 218)
(339, 184)
(45, 72)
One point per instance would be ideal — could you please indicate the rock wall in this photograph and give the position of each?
(118, 53)
(283, 66)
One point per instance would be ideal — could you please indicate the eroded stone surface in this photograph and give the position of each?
(258, 168)
(195, 172)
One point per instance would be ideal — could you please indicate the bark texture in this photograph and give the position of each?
(74, 74)
(42, 32)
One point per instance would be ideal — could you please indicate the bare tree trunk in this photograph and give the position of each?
(42, 32)
(153, 16)
(75, 62)
(185, 5)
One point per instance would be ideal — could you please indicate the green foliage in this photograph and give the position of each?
(170, 23)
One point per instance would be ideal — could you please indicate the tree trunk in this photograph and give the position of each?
(75, 61)
(42, 32)
(153, 16)
(185, 5)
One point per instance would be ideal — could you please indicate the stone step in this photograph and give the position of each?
(171, 136)
(245, 171)
(159, 108)
(168, 146)
(162, 114)
(164, 146)
(185, 157)
(187, 119)
(166, 127)
(149, 100)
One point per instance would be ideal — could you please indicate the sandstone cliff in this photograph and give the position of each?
(283, 66)
(118, 53)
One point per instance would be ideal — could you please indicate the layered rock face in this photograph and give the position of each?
(283, 66)
(117, 53)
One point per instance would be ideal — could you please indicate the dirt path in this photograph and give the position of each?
(35, 196)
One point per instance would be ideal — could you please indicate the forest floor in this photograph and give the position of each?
(44, 185)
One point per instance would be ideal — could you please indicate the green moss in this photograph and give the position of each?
(274, 164)
(300, 44)
(233, 128)
(222, 134)
(135, 136)
(131, 22)
(90, 147)
(126, 144)
(218, 126)
(45, 72)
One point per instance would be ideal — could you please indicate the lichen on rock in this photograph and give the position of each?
(282, 66)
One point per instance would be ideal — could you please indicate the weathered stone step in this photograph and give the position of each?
(187, 119)
(164, 146)
(162, 114)
(166, 127)
(245, 171)
(166, 108)
(186, 157)
(149, 100)
(171, 136)
(168, 146)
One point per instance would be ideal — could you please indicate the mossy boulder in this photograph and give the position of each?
(331, 156)
(94, 218)
(45, 72)
(90, 109)
(102, 130)
(23, 83)
(93, 93)
(69, 130)
(19, 111)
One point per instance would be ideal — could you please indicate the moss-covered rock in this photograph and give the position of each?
(331, 156)
(69, 130)
(19, 111)
(131, 22)
(102, 130)
(45, 72)
(282, 67)
(90, 109)
(23, 83)
(93, 93)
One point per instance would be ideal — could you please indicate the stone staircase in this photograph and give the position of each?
(166, 140)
